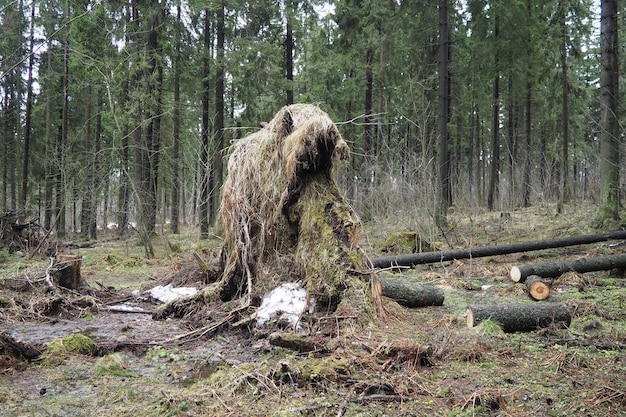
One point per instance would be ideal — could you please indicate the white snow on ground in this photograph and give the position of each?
(288, 301)
(167, 293)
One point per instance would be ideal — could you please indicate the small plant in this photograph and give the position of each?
(490, 328)
(4, 255)
(113, 364)
(162, 353)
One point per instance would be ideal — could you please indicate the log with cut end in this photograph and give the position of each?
(412, 294)
(520, 317)
(538, 289)
(555, 269)
(482, 251)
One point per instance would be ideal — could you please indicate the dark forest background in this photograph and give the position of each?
(122, 111)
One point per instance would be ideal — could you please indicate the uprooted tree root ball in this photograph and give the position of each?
(285, 219)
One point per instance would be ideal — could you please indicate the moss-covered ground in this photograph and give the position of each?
(412, 363)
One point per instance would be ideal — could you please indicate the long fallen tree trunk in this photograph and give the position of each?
(482, 251)
(520, 317)
(555, 269)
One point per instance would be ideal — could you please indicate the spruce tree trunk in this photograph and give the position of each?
(609, 132)
(482, 251)
(520, 317)
(555, 269)
(443, 157)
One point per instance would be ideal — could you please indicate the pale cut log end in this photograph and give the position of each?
(516, 274)
(537, 288)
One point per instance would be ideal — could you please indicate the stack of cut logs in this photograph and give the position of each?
(512, 317)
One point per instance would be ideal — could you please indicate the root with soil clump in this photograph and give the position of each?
(285, 219)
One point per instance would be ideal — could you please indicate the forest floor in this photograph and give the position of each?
(417, 362)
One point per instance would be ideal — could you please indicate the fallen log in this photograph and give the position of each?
(10, 346)
(482, 251)
(555, 269)
(538, 289)
(520, 317)
(411, 294)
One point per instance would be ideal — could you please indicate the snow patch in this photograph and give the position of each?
(167, 293)
(287, 302)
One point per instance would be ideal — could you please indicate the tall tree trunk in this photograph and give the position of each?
(155, 89)
(510, 136)
(63, 131)
(609, 117)
(218, 128)
(528, 145)
(48, 207)
(29, 111)
(94, 197)
(87, 183)
(123, 196)
(564, 194)
(140, 160)
(494, 176)
(443, 157)
(205, 167)
(289, 13)
(175, 192)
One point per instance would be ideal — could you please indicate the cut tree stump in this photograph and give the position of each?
(67, 272)
(520, 317)
(538, 289)
(411, 294)
(555, 269)
(482, 251)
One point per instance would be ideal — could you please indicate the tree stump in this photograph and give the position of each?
(520, 317)
(67, 272)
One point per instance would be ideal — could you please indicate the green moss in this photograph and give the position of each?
(5, 302)
(405, 242)
(327, 369)
(59, 350)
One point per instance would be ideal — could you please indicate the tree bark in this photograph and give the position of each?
(66, 272)
(29, 112)
(218, 127)
(555, 269)
(494, 176)
(443, 158)
(289, 14)
(482, 251)
(176, 177)
(538, 289)
(205, 181)
(411, 294)
(520, 317)
(609, 115)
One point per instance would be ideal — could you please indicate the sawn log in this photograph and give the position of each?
(482, 251)
(538, 289)
(412, 294)
(555, 269)
(520, 317)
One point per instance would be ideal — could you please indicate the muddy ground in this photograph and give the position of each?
(422, 361)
